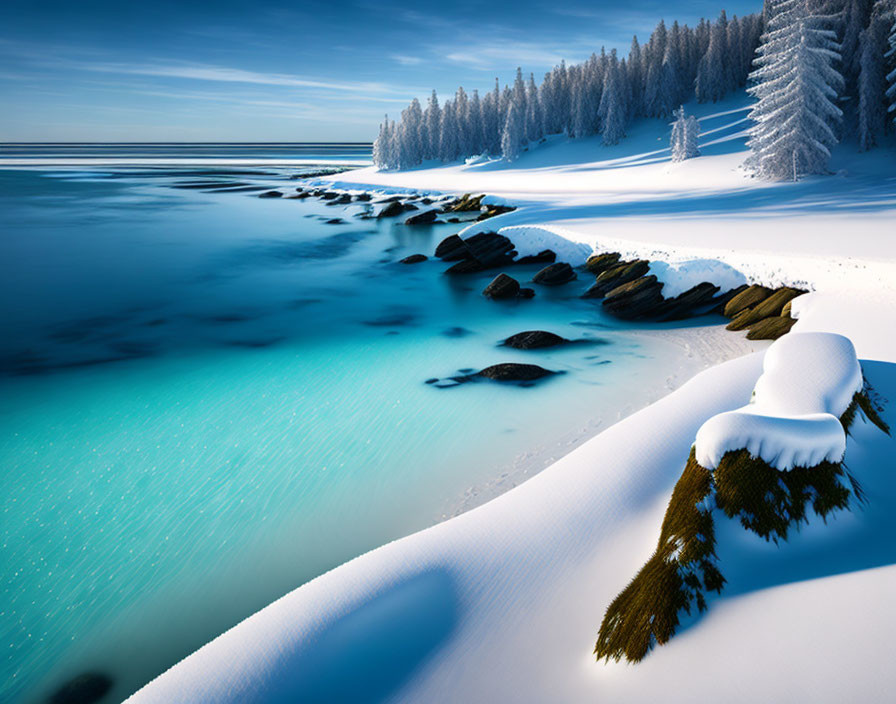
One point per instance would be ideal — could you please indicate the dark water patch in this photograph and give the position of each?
(456, 331)
(29, 362)
(155, 322)
(591, 324)
(224, 318)
(297, 303)
(86, 688)
(258, 343)
(240, 189)
(203, 185)
(391, 320)
(329, 247)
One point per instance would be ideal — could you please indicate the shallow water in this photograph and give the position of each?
(209, 398)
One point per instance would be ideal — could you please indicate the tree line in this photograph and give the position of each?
(843, 51)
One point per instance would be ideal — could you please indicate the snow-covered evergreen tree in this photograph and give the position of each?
(432, 126)
(796, 85)
(512, 136)
(712, 75)
(449, 148)
(891, 77)
(685, 131)
(534, 118)
(612, 110)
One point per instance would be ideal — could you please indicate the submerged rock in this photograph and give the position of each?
(511, 371)
(555, 275)
(526, 293)
(502, 286)
(363, 197)
(84, 689)
(534, 340)
(334, 221)
(270, 194)
(414, 259)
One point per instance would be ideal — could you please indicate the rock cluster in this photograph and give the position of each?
(764, 312)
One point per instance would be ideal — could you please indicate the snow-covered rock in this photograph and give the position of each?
(808, 381)
(529, 241)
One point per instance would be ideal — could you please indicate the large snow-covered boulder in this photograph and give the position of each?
(793, 420)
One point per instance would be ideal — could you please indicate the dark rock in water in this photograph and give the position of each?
(341, 200)
(502, 286)
(453, 221)
(635, 299)
(599, 263)
(770, 328)
(395, 208)
(334, 221)
(747, 298)
(434, 380)
(526, 293)
(544, 257)
(329, 195)
(511, 371)
(555, 274)
(424, 218)
(452, 249)
(490, 249)
(414, 259)
(466, 266)
(390, 199)
(534, 340)
(696, 300)
(363, 197)
(770, 307)
(426, 201)
(615, 276)
(493, 210)
(302, 195)
(84, 689)
(270, 194)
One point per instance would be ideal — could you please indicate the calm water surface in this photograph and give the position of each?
(208, 398)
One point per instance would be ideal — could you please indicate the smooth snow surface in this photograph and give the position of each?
(808, 381)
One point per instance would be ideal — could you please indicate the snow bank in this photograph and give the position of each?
(678, 277)
(532, 240)
(781, 441)
(808, 381)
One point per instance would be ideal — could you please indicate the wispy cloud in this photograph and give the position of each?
(407, 60)
(225, 74)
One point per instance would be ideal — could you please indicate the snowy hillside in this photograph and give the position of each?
(503, 603)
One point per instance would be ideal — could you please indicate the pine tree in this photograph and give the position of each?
(685, 130)
(891, 77)
(511, 137)
(612, 108)
(712, 79)
(534, 118)
(796, 86)
(432, 120)
(871, 111)
(449, 149)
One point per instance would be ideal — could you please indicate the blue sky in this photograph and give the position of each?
(163, 70)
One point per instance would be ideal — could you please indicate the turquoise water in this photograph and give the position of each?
(210, 398)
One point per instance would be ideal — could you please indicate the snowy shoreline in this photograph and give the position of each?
(504, 601)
